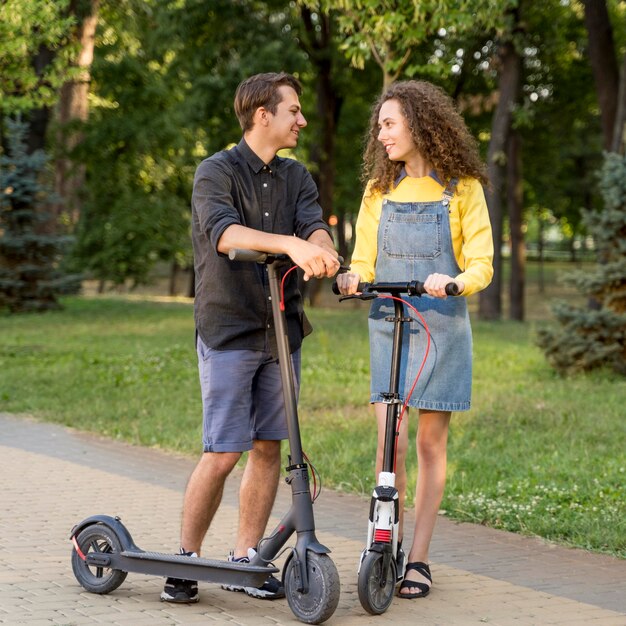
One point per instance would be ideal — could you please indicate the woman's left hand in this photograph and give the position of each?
(435, 285)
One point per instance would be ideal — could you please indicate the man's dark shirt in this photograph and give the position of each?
(232, 304)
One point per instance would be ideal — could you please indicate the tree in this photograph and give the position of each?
(73, 109)
(34, 61)
(163, 79)
(391, 33)
(31, 71)
(604, 64)
(509, 70)
(31, 275)
(592, 338)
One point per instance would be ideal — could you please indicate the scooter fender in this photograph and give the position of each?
(115, 526)
(303, 544)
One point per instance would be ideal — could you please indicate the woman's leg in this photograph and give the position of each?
(432, 439)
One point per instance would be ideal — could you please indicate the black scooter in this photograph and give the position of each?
(378, 568)
(104, 551)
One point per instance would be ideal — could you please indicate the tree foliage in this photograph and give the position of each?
(26, 26)
(391, 33)
(163, 86)
(588, 338)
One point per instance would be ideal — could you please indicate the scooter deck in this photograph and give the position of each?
(180, 566)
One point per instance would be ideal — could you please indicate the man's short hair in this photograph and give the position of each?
(261, 90)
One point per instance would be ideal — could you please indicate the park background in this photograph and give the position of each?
(108, 107)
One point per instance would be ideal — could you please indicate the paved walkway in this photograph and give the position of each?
(54, 477)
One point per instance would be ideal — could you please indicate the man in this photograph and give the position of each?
(249, 198)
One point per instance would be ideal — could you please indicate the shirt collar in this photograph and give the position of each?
(402, 175)
(255, 162)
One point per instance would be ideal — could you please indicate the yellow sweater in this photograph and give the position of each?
(469, 225)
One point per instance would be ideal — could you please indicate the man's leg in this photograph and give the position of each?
(257, 494)
(203, 496)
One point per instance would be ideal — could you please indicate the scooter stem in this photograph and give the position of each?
(284, 362)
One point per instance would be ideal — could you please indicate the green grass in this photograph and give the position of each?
(537, 454)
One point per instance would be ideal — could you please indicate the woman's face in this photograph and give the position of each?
(394, 133)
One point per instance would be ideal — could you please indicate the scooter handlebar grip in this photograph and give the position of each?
(452, 289)
(238, 254)
(360, 288)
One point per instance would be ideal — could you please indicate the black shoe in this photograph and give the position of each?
(179, 590)
(271, 589)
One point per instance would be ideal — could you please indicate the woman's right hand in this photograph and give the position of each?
(348, 283)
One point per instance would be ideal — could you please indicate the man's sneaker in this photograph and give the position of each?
(179, 590)
(271, 589)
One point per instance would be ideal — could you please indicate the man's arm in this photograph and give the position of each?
(321, 238)
(315, 259)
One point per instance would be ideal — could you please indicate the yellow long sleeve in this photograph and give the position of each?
(469, 227)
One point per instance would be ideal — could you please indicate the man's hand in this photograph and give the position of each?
(316, 261)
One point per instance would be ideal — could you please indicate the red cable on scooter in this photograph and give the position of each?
(419, 373)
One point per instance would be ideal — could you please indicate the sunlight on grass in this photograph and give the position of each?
(537, 454)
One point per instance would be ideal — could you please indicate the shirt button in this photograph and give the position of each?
(266, 214)
(264, 184)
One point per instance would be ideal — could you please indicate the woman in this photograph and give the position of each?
(423, 217)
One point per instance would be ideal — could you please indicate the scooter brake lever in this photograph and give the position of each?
(359, 296)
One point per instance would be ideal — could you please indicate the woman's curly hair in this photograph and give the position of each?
(437, 129)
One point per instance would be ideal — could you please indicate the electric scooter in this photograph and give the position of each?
(104, 551)
(378, 567)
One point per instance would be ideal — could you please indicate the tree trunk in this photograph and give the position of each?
(73, 107)
(540, 247)
(603, 64)
(174, 271)
(191, 288)
(38, 118)
(342, 244)
(490, 299)
(515, 196)
(619, 132)
(319, 48)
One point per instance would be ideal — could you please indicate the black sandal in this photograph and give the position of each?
(424, 589)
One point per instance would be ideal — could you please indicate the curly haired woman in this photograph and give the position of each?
(423, 216)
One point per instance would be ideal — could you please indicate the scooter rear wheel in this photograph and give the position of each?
(376, 587)
(101, 539)
(320, 602)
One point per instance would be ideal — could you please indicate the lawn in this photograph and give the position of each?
(537, 454)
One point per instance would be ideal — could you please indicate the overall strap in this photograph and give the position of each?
(448, 192)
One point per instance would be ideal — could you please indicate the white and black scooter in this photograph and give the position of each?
(379, 569)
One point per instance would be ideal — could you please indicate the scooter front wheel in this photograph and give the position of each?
(97, 538)
(376, 586)
(320, 602)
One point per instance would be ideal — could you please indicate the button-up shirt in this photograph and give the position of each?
(232, 304)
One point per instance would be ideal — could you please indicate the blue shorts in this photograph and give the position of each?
(242, 397)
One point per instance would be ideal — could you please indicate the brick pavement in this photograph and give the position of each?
(54, 477)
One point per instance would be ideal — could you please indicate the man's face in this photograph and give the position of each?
(284, 126)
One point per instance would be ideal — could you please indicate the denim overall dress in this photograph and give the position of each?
(414, 240)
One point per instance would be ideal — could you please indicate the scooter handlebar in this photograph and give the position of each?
(413, 288)
(237, 254)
